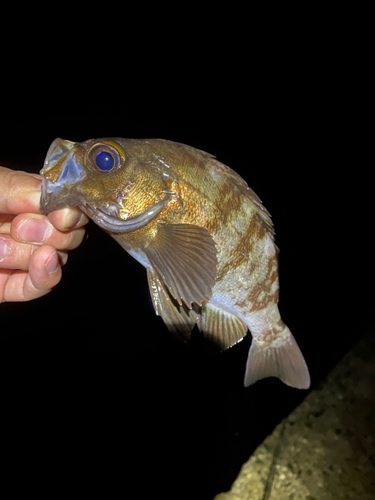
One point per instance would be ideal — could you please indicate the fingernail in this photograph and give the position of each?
(63, 258)
(3, 249)
(52, 263)
(34, 230)
(34, 197)
(73, 218)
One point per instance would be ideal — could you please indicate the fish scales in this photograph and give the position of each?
(203, 235)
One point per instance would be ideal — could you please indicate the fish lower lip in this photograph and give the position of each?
(117, 225)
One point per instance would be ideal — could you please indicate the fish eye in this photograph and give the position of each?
(105, 157)
(104, 161)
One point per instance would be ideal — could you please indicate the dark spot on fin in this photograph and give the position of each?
(219, 327)
(184, 255)
(179, 319)
(285, 362)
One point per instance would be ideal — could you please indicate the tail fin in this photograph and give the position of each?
(280, 359)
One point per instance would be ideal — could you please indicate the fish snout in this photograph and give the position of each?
(62, 170)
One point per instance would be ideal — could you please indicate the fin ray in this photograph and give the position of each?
(284, 361)
(184, 255)
(178, 319)
(222, 328)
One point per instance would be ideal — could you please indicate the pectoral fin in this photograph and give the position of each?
(179, 319)
(221, 328)
(184, 256)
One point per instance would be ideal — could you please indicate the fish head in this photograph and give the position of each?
(118, 183)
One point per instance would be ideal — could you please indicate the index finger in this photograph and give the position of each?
(19, 192)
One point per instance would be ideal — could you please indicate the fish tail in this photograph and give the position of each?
(281, 358)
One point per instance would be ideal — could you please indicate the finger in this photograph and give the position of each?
(5, 222)
(68, 218)
(19, 192)
(38, 230)
(44, 273)
(15, 255)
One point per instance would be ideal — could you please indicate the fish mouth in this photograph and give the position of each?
(62, 168)
(117, 225)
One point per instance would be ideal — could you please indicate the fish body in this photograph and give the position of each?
(203, 235)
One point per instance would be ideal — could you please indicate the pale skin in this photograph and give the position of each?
(33, 247)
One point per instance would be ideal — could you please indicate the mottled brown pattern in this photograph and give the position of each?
(261, 289)
(241, 253)
(231, 264)
(261, 294)
(228, 200)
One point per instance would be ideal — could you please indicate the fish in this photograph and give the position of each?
(203, 235)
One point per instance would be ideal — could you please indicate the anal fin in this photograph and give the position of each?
(220, 327)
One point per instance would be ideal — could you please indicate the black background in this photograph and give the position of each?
(94, 391)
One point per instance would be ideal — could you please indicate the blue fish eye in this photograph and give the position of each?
(104, 161)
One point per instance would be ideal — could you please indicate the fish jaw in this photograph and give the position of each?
(62, 170)
(117, 225)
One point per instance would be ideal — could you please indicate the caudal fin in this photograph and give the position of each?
(284, 361)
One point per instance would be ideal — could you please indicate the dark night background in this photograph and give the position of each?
(95, 393)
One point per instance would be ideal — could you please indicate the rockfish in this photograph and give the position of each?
(203, 235)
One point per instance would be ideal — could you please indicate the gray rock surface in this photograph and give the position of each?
(325, 449)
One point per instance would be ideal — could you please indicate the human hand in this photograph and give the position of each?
(32, 246)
